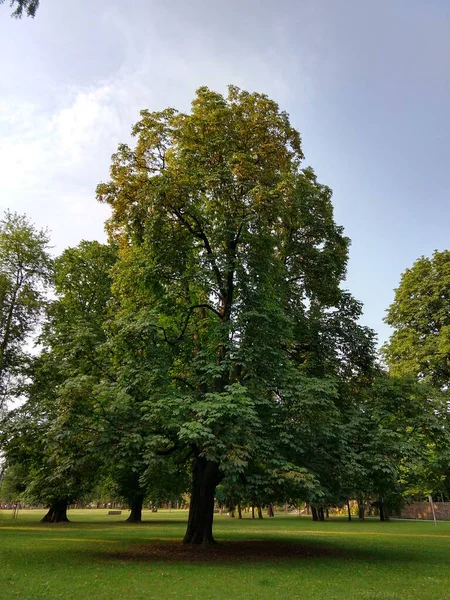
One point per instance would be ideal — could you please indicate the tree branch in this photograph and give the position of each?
(200, 234)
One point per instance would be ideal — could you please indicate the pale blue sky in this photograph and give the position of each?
(366, 83)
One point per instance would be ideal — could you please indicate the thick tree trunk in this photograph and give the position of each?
(260, 515)
(239, 511)
(270, 512)
(321, 513)
(315, 514)
(253, 512)
(136, 510)
(57, 513)
(205, 478)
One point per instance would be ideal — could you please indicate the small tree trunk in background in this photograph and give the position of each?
(315, 515)
(361, 509)
(260, 515)
(384, 512)
(239, 511)
(270, 512)
(253, 512)
(136, 510)
(205, 478)
(349, 513)
(57, 513)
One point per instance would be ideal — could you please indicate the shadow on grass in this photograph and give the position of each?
(271, 551)
(248, 551)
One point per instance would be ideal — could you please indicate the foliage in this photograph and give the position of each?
(420, 316)
(224, 243)
(51, 436)
(13, 484)
(212, 332)
(25, 271)
(21, 7)
(399, 426)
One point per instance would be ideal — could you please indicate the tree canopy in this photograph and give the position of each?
(420, 316)
(25, 272)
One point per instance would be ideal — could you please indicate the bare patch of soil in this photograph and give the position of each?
(232, 551)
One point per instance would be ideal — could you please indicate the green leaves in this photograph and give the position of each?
(225, 337)
(21, 7)
(25, 271)
(420, 315)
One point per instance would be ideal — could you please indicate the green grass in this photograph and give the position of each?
(100, 557)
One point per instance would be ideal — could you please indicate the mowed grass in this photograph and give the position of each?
(101, 557)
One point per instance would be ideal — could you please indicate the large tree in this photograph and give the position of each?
(25, 272)
(224, 242)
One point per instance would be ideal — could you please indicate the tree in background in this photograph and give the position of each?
(25, 273)
(398, 427)
(420, 348)
(53, 435)
(420, 316)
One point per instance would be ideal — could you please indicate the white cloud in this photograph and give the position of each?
(54, 155)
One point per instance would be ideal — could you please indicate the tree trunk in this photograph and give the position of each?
(361, 510)
(381, 509)
(315, 514)
(136, 510)
(270, 512)
(260, 515)
(57, 513)
(349, 511)
(205, 478)
(253, 512)
(384, 513)
(321, 514)
(239, 511)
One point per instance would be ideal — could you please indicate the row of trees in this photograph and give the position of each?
(208, 346)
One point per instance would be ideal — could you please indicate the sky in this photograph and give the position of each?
(366, 83)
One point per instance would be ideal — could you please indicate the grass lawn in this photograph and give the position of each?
(288, 557)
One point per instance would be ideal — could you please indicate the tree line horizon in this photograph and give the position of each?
(207, 347)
